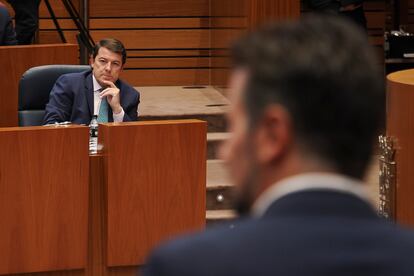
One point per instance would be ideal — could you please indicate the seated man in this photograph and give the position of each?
(7, 33)
(76, 97)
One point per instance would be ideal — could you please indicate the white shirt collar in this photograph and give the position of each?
(309, 181)
(96, 85)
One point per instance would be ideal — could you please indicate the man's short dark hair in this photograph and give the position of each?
(323, 71)
(112, 44)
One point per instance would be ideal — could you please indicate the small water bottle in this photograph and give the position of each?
(93, 135)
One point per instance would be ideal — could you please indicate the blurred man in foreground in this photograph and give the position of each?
(307, 104)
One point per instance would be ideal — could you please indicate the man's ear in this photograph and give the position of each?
(91, 60)
(273, 134)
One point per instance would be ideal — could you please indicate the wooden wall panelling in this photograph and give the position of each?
(155, 185)
(18, 59)
(177, 25)
(145, 39)
(63, 19)
(150, 23)
(43, 199)
(263, 11)
(231, 18)
(158, 36)
(144, 8)
(58, 8)
(170, 62)
(173, 77)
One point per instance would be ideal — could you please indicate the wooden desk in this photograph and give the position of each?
(155, 181)
(147, 185)
(44, 175)
(400, 126)
(15, 60)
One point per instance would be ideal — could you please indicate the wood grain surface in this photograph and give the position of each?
(400, 125)
(155, 173)
(44, 175)
(232, 18)
(144, 8)
(18, 59)
(265, 11)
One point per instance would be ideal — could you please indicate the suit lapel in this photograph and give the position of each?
(89, 93)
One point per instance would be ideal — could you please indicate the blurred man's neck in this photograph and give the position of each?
(294, 164)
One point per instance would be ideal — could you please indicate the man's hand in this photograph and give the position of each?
(112, 96)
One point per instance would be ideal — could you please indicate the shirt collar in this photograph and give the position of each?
(309, 181)
(96, 85)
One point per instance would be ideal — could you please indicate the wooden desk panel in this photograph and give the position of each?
(15, 60)
(43, 199)
(400, 126)
(155, 175)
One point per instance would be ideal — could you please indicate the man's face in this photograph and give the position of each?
(106, 66)
(238, 151)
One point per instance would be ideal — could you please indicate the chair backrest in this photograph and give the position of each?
(34, 89)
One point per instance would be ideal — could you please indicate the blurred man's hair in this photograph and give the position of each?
(323, 71)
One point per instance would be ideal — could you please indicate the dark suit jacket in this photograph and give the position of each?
(7, 34)
(71, 99)
(308, 233)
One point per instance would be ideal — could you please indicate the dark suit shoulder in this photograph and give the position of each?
(275, 246)
(213, 245)
(403, 237)
(127, 88)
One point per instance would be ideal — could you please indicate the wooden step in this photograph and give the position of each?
(219, 188)
(214, 140)
(214, 217)
(176, 102)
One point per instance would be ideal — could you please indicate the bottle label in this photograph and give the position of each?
(93, 132)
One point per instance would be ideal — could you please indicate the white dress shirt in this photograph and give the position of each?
(97, 102)
(309, 181)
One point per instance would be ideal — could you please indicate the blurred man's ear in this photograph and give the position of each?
(274, 136)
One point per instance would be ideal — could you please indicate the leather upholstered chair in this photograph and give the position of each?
(34, 89)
